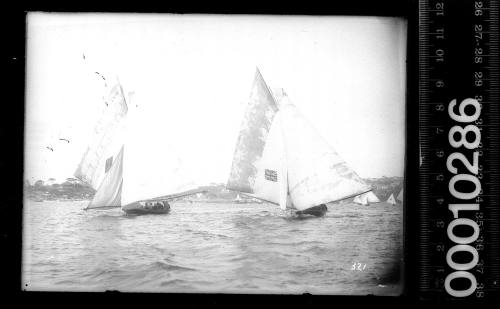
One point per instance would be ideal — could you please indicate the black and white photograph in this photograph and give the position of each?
(207, 153)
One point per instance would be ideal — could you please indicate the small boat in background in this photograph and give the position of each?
(361, 200)
(391, 200)
(366, 199)
(238, 199)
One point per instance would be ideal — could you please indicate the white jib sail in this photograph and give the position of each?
(271, 182)
(391, 199)
(106, 139)
(108, 194)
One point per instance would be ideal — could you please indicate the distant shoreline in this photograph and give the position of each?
(74, 189)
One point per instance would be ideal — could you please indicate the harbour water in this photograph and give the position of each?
(213, 248)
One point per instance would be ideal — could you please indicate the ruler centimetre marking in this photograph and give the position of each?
(459, 215)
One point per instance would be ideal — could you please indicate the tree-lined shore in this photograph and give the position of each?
(71, 189)
(74, 189)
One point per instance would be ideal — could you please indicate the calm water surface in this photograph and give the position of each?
(209, 247)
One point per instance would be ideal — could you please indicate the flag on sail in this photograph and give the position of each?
(109, 192)
(391, 200)
(271, 181)
(106, 140)
(254, 132)
(278, 151)
(109, 163)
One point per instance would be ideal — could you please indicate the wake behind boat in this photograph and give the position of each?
(128, 170)
(281, 159)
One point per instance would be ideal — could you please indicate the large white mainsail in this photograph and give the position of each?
(101, 166)
(151, 167)
(256, 165)
(106, 140)
(275, 135)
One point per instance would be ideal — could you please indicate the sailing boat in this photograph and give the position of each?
(361, 199)
(391, 200)
(366, 199)
(238, 199)
(400, 196)
(114, 164)
(372, 198)
(281, 159)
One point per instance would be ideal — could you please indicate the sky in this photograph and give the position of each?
(192, 75)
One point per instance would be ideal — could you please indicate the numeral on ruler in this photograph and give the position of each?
(458, 137)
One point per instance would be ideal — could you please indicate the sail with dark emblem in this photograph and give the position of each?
(254, 132)
(109, 192)
(106, 140)
(128, 168)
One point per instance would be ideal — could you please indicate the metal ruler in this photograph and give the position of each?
(459, 177)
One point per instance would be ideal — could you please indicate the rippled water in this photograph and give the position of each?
(209, 247)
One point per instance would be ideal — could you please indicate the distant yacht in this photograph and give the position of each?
(366, 199)
(391, 200)
(361, 200)
(238, 199)
(280, 158)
